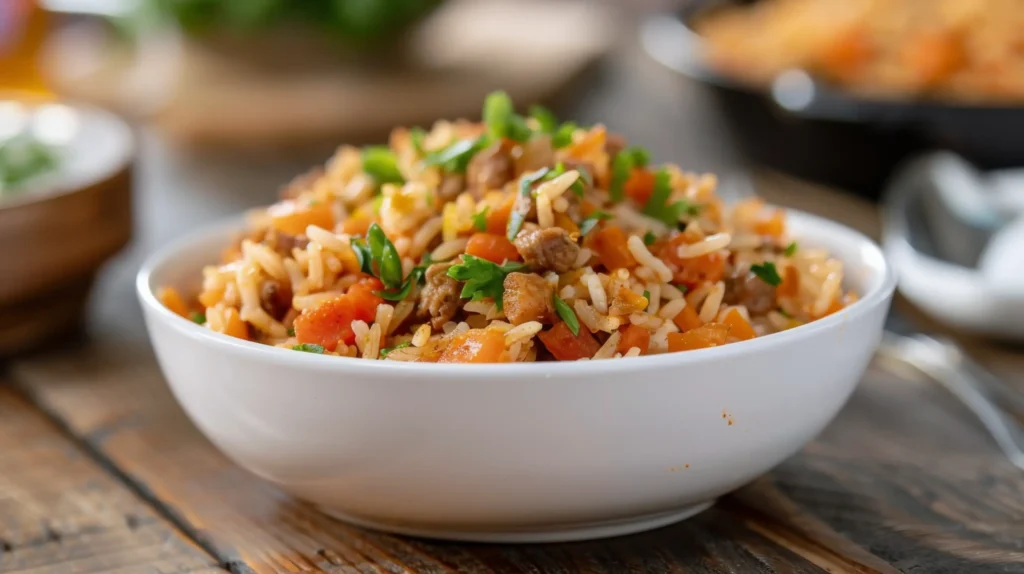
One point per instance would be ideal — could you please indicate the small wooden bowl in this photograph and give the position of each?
(58, 232)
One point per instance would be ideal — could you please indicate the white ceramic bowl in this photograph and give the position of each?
(515, 453)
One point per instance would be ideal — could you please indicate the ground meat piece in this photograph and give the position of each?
(301, 183)
(490, 169)
(439, 299)
(749, 290)
(614, 143)
(528, 297)
(451, 186)
(283, 243)
(535, 154)
(276, 298)
(550, 248)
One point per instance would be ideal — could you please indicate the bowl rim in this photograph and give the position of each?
(878, 294)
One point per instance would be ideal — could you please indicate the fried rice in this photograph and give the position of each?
(514, 239)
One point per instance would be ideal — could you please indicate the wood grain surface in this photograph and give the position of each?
(903, 480)
(61, 511)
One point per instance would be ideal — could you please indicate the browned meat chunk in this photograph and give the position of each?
(528, 297)
(283, 243)
(301, 183)
(550, 248)
(614, 143)
(536, 153)
(747, 289)
(276, 298)
(490, 169)
(451, 186)
(439, 299)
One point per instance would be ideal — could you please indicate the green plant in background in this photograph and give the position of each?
(23, 158)
(355, 21)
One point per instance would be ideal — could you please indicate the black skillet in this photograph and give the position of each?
(803, 127)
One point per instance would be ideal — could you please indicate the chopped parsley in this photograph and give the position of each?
(766, 272)
(650, 238)
(502, 120)
(517, 218)
(480, 219)
(386, 352)
(309, 348)
(483, 278)
(568, 315)
(790, 249)
(563, 135)
(385, 257)
(197, 318)
(545, 119)
(417, 135)
(291, 331)
(658, 207)
(647, 295)
(415, 277)
(382, 164)
(455, 157)
(588, 224)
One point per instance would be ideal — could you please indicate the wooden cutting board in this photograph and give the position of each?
(531, 48)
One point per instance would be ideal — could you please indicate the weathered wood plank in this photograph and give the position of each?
(60, 511)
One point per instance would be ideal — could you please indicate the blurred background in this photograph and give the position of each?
(126, 123)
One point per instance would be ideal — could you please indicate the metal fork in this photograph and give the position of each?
(979, 390)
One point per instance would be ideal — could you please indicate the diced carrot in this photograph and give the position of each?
(497, 219)
(173, 300)
(703, 337)
(565, 346)
(626, 301)
(694, 270)
(234, 326)
(565, 222)
(492, 247)
(846, 55)
(610, 245)
(586, 208)
(290, 217)
(790, 285)
(356, 225)
(634, 336)
(739, 328)
(592, 142)
(640, 185)
(774, 226)
(476, 346)
(687, 319)
(330, 322)
(211, 297)
(932, 57)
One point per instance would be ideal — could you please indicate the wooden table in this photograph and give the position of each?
(100, 471)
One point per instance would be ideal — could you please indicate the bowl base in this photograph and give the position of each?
(540, 534)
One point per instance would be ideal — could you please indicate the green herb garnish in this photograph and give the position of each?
(640, 156)
(790, 249)
(455, 157)
(517, 218)
(382, 165)
(291, 331)
(568, 315)
(682, 288)
(588, 224)
(386, 352)
(563, 135)
(416, 135)
(483, 278)
(415, 277)
(384, 257)
(782, 312)
(502, 120)
(578, 186)
(480, 219)
(647, 295)
(766, 272)
(197, 318)
(545, 119)
(309, 348)
(622, 169)
(650, 238)
(23, 158)
(658, 207)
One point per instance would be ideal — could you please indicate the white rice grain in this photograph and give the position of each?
(583, 257)
(372, 350)
(709, 309)
(670, 292)
(421, 336)
(707, 245)
(522, 332)
(672, 308)
(424, 235)
(632, 352)
(384, 314)
(607, 350)
(654, 303)
(449, 249)
(303, 302)
(315, 274)
(402, 311)
(545, 214)
(597, 295)
(645, 257)
(568, 292)
(554, 188)
(361, 331)
(265, 258)
(327, 240)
